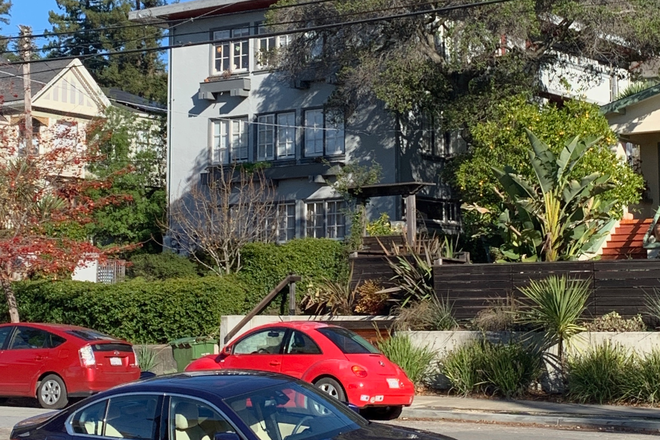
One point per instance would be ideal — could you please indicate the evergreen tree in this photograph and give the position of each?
(5, 7)
(99, 26)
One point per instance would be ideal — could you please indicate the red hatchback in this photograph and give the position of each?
(338, 361)
(55, 361)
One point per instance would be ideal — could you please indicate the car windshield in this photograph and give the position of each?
(89, 335)
(347, 341)
(294, 411)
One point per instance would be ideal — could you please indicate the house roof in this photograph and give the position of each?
(11, 78)
(619, 106)
(133, 102)
(195, 8)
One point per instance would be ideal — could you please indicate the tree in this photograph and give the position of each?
(552, 216)
(503, 141)
(99, 26)
(132, 155)
(44, 207)
(5, 8)
(455, 64)
(214, 221)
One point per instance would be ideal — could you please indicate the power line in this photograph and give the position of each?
(276, 33)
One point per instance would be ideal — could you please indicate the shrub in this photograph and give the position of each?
(415, 361)
(433, 314)
(146, 357)
(599, 375)
(504, 369)
(613, 322)
(502, 315)
(138, 311)
(381, 226)
(642, 382)
(370, 301)
(161, 266)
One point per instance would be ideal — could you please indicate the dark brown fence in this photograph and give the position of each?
(619, 286)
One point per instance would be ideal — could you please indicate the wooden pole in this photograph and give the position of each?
(411, 219)
(26, 45)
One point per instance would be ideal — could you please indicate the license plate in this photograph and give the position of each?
(115, 361)
(393, 383)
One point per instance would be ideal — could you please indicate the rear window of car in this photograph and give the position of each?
(347, 341)
(90, 335)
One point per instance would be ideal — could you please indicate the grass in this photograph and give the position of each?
(415, 361)
(599, 375)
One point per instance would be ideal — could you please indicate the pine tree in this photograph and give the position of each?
(5, 7)
(99, 26)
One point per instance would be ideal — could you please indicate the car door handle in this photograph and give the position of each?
(275, 363)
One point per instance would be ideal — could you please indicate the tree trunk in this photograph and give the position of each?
(12, 306)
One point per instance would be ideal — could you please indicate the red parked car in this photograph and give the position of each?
(338, 361)
(54, 362)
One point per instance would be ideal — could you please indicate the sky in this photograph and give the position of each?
(32, 13)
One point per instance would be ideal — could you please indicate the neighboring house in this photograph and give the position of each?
(636, 119)
(65, 98)
(226, 106)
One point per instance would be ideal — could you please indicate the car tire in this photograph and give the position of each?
(51, 392)
(331, 387)
(382, 413)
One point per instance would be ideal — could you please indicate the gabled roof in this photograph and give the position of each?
(195, 8)
(133, 102)
(619, 106)
(11, 78)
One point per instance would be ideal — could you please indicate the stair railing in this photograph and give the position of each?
(651, 241)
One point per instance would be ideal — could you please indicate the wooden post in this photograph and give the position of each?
(26, 44)
(411, 219)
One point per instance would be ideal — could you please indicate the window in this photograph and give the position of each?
(194, 420)
(267, 46)
(262, 342)
(324, 133)
(286, 221)
(230, 141)
(300, 343)
(325, 219)
(26, 337)
(132, 417)
(4, 333)
(347, 341)
(230, 57)
(276, 136)
(439, 210)
(433, 141)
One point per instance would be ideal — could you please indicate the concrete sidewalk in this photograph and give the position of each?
(534, 412)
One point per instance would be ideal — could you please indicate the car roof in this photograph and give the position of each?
(300, 325)
(222, 384)
(45, 326)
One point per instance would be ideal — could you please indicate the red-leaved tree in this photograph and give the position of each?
(44, 205)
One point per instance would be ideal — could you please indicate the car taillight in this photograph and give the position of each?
(359, 371)
(87, 358)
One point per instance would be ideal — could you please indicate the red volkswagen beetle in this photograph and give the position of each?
(338, 361)
(54, 361)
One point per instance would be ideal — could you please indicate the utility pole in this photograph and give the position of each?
(26, 45)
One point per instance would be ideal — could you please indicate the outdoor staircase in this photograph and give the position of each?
(626, 240)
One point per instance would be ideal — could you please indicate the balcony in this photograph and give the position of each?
(212, 87)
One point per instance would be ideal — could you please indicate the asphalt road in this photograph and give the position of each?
(10, 415)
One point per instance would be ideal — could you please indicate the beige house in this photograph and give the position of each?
(65, 98)
(636, 119)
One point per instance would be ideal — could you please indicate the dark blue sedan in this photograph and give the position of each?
(211, 405)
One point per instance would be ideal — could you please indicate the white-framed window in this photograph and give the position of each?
(229, 141)
(276, 136)
(266, 46)
(286, 221)
(324, 133)
(231, 56)
(325, 219)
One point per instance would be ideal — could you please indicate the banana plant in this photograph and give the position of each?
(553, 216)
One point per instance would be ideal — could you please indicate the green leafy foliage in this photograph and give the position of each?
(163, 266)
(502, 141)
(506, 369)
(138, 311)
(414, 360)
(599, 374)
(314, 259)
(381, 226)
(642, 382)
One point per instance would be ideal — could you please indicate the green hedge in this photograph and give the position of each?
(138, 311)
(266, 264)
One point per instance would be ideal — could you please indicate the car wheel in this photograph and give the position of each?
(382, 413)
(331, 387)
(51, 392)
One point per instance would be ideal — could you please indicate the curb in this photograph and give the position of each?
(633, 424)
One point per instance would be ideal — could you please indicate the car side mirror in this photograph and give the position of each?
(226, 436)
(226, 350)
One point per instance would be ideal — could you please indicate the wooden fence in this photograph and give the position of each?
(620, 286)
